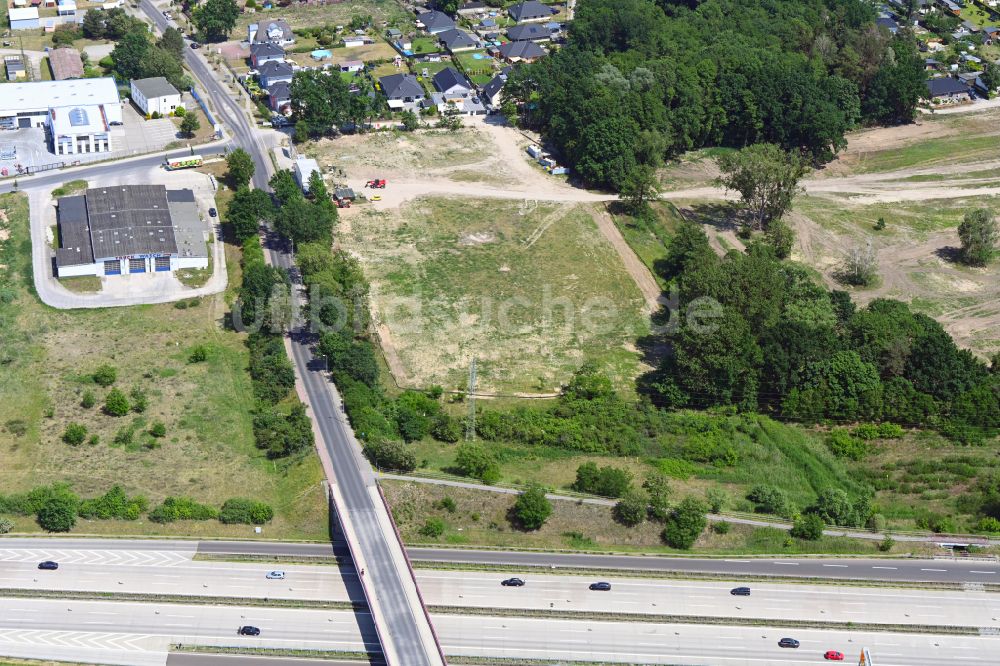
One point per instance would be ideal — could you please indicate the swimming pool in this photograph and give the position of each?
(478, 56)
(321, 54)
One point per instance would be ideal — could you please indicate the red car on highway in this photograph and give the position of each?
(833, 655)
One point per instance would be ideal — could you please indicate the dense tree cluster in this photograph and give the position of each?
(136, 55)
(778, 343)
(215, 19)
(299, 218)
(640, 80)
(323, 104)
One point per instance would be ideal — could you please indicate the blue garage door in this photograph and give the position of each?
(162, 264)
(113, 267)
(136, 265)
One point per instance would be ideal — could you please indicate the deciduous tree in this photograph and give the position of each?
(767, 179)
(978, 233)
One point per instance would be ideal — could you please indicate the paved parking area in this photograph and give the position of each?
(30, 146)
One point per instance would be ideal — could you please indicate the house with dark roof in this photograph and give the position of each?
(457, 40)
(888, 23)
(434, 22)
(947, 89)
(274, 72)
(15, 67)
(521, 52)
(402, 91)
(279, 97)
(452, 84)
(491, 91)
(528, 32)
(275, 32)
(991, 35)
(266, 52)
(530, 10)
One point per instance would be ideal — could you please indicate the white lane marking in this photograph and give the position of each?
(983, 572)
(738, 561)
(839, 566)
(933, 569)
(794, 564)
(893, 568)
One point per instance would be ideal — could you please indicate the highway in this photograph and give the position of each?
(142, 633)
(904, 570)
(771, 601)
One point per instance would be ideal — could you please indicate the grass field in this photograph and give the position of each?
(481, 519)
(308, 16)
(649, 237)
(530, 291)
(402, 154)
(208, 452)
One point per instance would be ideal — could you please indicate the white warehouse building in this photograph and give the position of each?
(156, 95)
(77, 113)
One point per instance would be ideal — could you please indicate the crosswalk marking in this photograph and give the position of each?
(133, 558)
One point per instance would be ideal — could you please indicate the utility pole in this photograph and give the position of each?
(470, 393)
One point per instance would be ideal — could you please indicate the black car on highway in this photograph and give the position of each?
(788, 643)
(512, 582)
(249, 630)
(602, 586)
(48, 565)
(740, 591)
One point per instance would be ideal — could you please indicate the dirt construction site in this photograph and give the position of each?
(458, 203)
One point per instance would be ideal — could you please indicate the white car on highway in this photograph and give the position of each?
(275, 575)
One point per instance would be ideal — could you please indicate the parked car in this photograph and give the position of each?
(375, 197)
(740, 591)
(275, 575)
(788, 643)
(195, 45)
(212, 212)
(48, 565)
(833, 655)
(602, 586)
(248, 630)
(512, 582)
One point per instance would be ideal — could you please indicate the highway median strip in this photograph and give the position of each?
(361, 657)
(193, 600)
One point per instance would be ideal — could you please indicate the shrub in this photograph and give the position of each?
(181, 508)
(58, 514)
(448, 504)
(717, 499)
(180, 111)
(116, 404)
(113, 504)
(124, 436)
(886, 544)
(769, 499)
(105, 375)
(604, 481)
(989, 525)
(246, 511)
(446, 429)
(890, 431)
(140, 402)
(6, 525)
(199, 354)
(88, 400)
(631, 508)
(392, 455)
(476, 461)
(74, 434)
(721, 527)
(876, 522)
(843, 445)
(94, 440)
(432, 528)
(158, 429)
(532, 508)
(685, 524)
(658, 487)
(808, 527)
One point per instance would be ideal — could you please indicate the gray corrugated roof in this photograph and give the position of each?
(266, 49)
(154, 87)
(525, 50)
(435, 19)
(271, 69)
(455, 38)
(74, 234)
(401, 85)
(130, 220)
(528, 31)
(529, 10)
(945, 86)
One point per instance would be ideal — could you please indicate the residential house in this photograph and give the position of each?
(472, 8)
(991, 35)
(528, 32)
(530, 10)
(65, 64)
(487, 24)
(948, 89)
(393, 34)
(66, 8)
(15, 67)
(887, 23)
(950, 6)
(452, 84)
(275, 32)
(402, 91)
(23, 18)
(491, 91)
(352, 66)
(279, 97)
(155, 95)
(434, 22)
(274, 72)
(457, 40)
(966, 58)
(932, 65)
(265, 52)
(521, 52)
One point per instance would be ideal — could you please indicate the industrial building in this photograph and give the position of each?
(77, 113)
(122, 229)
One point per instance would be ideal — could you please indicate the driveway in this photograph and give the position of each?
(118, 291)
